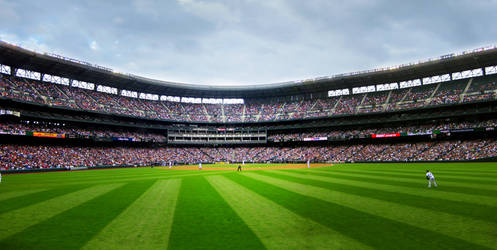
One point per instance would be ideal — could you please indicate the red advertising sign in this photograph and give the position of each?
(385, 135)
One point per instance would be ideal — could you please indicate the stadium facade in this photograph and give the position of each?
(59, 112)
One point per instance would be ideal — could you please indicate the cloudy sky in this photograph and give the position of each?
(229, 42)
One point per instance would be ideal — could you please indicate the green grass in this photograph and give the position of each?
(235, 165)
(346, 206)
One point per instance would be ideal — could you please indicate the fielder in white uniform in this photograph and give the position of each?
(430, 177)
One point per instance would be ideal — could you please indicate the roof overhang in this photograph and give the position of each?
(18, 57)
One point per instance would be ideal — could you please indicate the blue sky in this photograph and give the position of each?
(233, 42)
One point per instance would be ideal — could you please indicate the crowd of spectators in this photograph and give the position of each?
(33, 157)
(365, 132)
(76, 98)
(71, 130)
(74, 131)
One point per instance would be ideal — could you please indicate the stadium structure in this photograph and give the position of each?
(59, 113)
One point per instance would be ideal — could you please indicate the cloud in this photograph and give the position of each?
(210, 11)
(94, 45)
(247, 41)
(31, 43)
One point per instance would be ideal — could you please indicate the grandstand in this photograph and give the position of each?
(440, 109)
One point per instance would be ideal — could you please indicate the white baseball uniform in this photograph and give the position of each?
(431, 178)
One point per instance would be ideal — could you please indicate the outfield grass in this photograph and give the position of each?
(346, 206)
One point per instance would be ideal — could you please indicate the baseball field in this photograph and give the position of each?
(343, 206)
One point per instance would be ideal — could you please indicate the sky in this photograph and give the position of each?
(239, 42)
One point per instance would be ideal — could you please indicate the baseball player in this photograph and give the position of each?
(239, 168)
(430, 177)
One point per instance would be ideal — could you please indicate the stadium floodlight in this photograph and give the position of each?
(148, 96)
(83, 85)
(467, 74)
(129, 93)
(24, 73)
(410, 83)
(363, 89)
(56, 79)
(491, 70)
(212, 100)
(4, 69)
(338, 92)
(233, 101)
(387, 86)
(107, 89)
(191, 100)
(170, 98)
(436, 79)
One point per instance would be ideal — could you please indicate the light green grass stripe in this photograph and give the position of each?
(473, 230)
(20, 219)
(140, 178)
(419, 179)
(416, 171)
(422, 173)
(145, 224)
(14, 194)
(440, 194)
(276, 226)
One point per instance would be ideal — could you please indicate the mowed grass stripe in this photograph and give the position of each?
(372, 230)
(203, 220)
(33, 198)
(447, 177)
(443, 171)
(116, 179)
(17, 220)
(73, 228)
(489, 167)
(145, 224)
(13, 194)
(429, 218)
(472, 189)
(469, 167)
(438, 193)
(276, 226)
(461, 204)
(368, 205)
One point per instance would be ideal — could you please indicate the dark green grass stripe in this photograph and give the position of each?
(369, 229)
(481, 184)
(448, 172)
(9, 194)
(409, 182)
(73, 228)
(414, 168)
(33, 198)
(145, 178)
(203, 220)
(419, 174)
(420, 190)
(467, 166)
(471, 210)
(275, 226)
(447, 176)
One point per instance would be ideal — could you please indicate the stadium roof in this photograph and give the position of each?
(18, 57)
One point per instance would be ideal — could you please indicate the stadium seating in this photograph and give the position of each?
(467, 90)
(33, 157)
